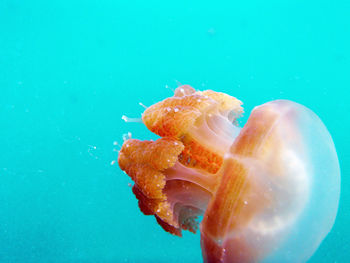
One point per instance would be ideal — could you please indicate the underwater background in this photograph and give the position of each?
(70, 69)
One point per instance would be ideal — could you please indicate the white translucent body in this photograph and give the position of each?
(297, 181)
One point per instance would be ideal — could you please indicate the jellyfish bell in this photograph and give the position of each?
(268, 192)
(281, 183)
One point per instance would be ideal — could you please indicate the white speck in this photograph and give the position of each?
(90, 150)
(142, 105)
(199, 100)
(168, 109)
(176, 143)
(127, 119)
(113, 162)
(125, 137)
(245, 202)
(115, 143)
(167, 87)
(176, 109)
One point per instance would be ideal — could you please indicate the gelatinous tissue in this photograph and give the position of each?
(268, 192)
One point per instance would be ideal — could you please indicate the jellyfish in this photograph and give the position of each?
(266, 192)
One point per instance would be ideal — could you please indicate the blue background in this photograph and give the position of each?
(70, 69)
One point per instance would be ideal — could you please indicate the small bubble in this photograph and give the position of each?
(113, 162)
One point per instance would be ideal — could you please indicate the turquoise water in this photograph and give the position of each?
(70, 69)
